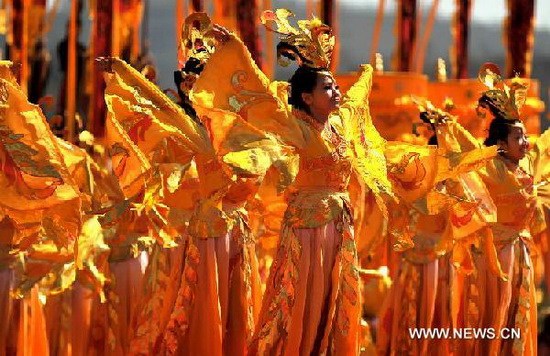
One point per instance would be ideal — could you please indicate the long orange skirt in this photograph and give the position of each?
(68, 321)
(312, 302)
(505, 305)
(162, 282)
(419, 298)
(123, 301)
(31, 337)
(8, 326)
(218, 298)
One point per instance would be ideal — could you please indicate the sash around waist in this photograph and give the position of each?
(314, 208)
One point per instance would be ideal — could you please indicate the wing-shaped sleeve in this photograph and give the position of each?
(232, 81)
(129, 163)
(35, 184)
(147, 115)
(369, 221)
(456, 135)
(539, 157)
(366, 146)
(38, 194)
(257, 129)
(415, 170)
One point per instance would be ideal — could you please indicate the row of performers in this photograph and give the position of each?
(240, 221)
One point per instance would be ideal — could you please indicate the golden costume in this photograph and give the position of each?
(40, 210)
(509, 302)
(218, 287)
(312, 300)
(433, 226)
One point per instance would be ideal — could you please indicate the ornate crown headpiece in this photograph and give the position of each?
(310, 44)
(197, 46)
(432, 115)
(501, 99)
(195, 39)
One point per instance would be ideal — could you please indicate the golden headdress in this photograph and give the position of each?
(195, 39)
(502, 100)
(310, 44)
(197, 45)
(431, 114)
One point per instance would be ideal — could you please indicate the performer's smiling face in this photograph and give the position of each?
(516, 145)
(325, 97)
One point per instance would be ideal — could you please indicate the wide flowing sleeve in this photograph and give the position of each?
(247, 150)
(129, 164)
(6, 72)
(231, 81)
(56, 269)
(38, 193)
(366, 146)
(150, 119)
(368, 217)
(35, 184)
(454, 134)
(539, 159)
(234, 90)
(146, 129)
(415, 170)
(149, 108)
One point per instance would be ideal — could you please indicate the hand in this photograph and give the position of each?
(220, 33)
(16, 69)
(105, 63)
(443, 119)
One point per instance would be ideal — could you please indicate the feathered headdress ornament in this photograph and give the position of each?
(197, 45)
(431, 114)
(310, 44)
(502, 100)
(195, 40)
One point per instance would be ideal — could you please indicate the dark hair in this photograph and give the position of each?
(424, 116)
(499, 129)
(292, 53)
(485, 102)
(193, 65)
(303, 80)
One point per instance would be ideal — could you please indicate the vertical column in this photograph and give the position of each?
(197, 5)
(327, 12)
(181, 13)
(18, 40)
(460, 31)
(101, 46)
(269, 50)
(519, 37)
(329, 17)
(72, 63)
(38, 55)
(406, 35)
(247, 22)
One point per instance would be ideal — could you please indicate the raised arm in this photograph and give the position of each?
(366, 146)
(358, 95)
(459, 135)
(231, 81)
(539, 157)
(128, 87)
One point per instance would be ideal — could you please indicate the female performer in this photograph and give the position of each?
(507, 304)
(312, 301)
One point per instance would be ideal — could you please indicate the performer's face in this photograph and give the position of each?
(516, 145)
(325, 97)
